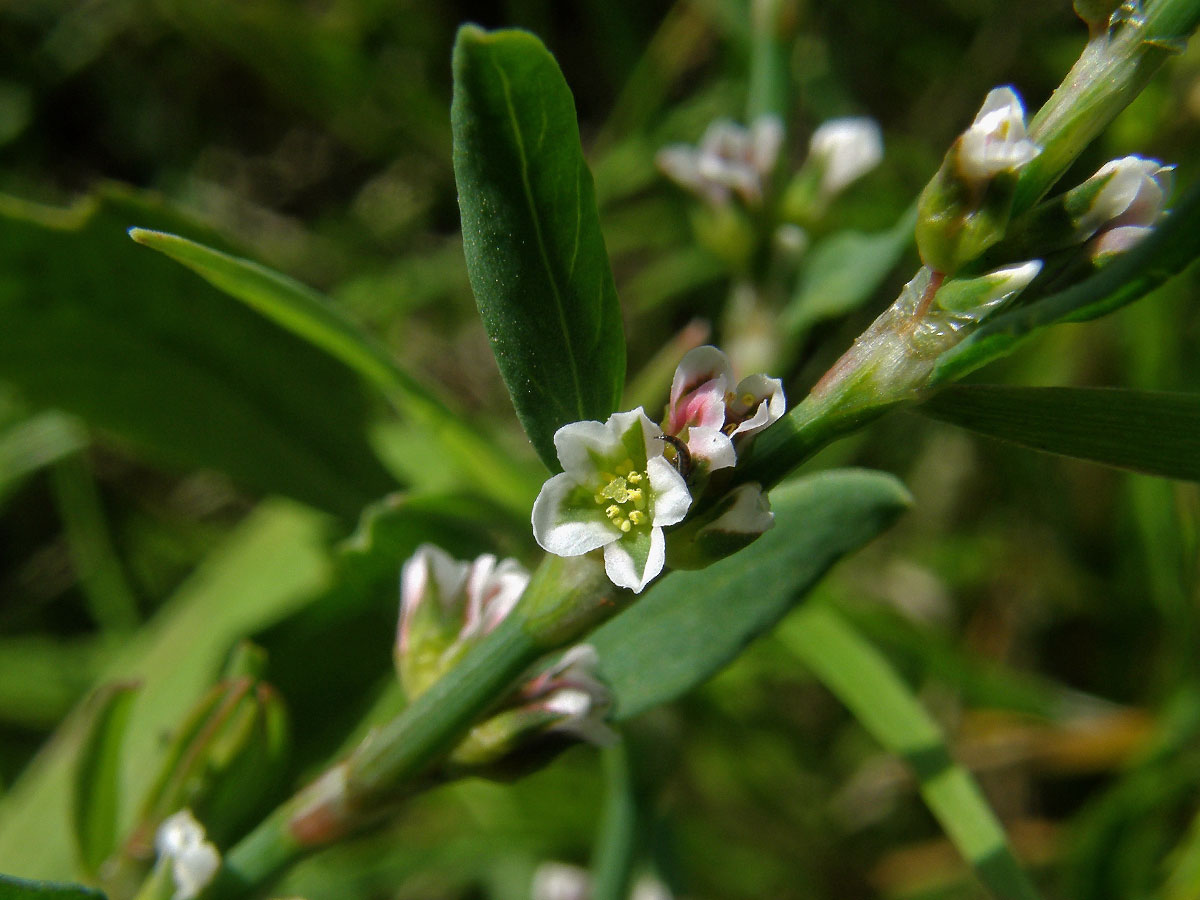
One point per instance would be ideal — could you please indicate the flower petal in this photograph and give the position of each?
(698, 389)
(671, 497)
(563, 528)
(637, 559)
(763, 395)
(711, 447)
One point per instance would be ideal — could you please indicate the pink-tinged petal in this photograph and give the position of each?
(1116, 240)
(671, 497)
(757, 403)
(634, 562)
(698, 389)
(711, 448)
(429, 570)
(493, 589)
(566, 530)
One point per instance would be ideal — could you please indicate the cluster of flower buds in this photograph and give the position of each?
(730, 160)
(966, 207)
(626, 480)
(186, 854)
(447, 606)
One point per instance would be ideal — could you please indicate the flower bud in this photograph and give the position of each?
(966, 207)
(447, 605)
(1127, 191)
(564, 702)
(732, 523)
(192, 860)
(979, 297)
(223, 761)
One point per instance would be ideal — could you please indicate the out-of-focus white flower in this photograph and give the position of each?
(445, 605)
(560, 881)
(193, 860)
(846, 149)
(575, 699)
(617, 491)
(730, 158)
(996, 141)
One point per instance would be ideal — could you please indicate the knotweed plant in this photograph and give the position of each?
(668, 534)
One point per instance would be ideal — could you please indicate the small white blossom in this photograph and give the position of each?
(729, 158)
(996, 141)
(846, 149)
(193, 860)
(1130, 202)
(617, 491)
(572, 693)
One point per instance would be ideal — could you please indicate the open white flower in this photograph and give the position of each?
(846, 149)
(996, 141)
(193, 860)
(617, 491)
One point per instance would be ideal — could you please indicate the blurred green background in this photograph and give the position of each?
(174, 471)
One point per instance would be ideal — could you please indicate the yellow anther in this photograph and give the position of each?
(612, 510)
(748, 399)
(625, 526)
(637, 517)
(635, 478)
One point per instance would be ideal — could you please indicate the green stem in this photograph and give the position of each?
(612, 862)
(772, 26)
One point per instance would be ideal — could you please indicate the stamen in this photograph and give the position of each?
(612, 510)
(637, 517)
(625, 526)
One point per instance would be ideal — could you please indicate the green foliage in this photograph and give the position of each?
(532, 237)
(21, 889)
(1144, 431)
(176, 370)
(97, 783)
(694, 623)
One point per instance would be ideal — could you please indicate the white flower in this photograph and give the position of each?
(729, 158)
(1129, 203)
(445, 605)
(846, 149)
(996, 141)
(712, 414)
(617, 491)
(194, 861)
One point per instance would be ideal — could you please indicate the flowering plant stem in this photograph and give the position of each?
(1110, 72)
(565, 599)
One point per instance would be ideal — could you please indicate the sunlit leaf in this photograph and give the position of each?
(693, 623)
(531, 234)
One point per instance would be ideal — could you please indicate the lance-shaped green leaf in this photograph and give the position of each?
(22, 889)
(693, 623)
(144, 351)
(1174, 245)
(531, 235)
(862, 678)
(97, 785)
(1147, 431)
(312, 317)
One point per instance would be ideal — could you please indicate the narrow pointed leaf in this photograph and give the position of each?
(1173, 246)
(21, 889)
(314, 318)
(96, 796)
(152, 357)
(531, 235)
(862, 678)
(1146, 431)
(693, 623)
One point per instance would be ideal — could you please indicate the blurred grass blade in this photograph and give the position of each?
(307, 314)
(844, 271)
(616, 835)
(862, 679)
(273, 563)
(97, 788)
(1152, 432)
(146, 353)
(531, 235)
(37, 441)
(693, 623)
(1173, 246)
(110, 598)
(20, 889)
